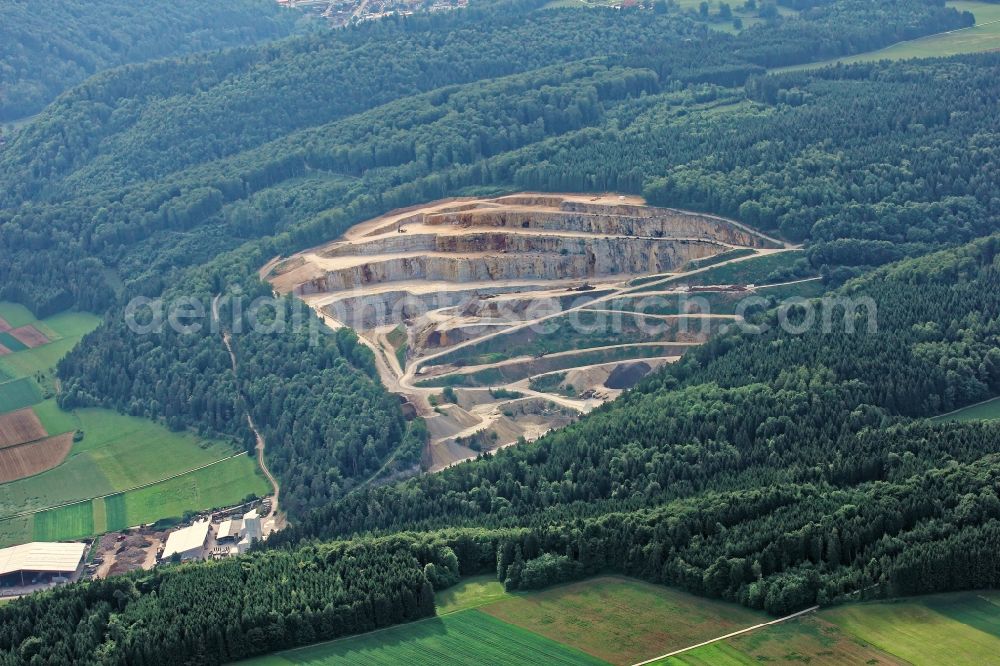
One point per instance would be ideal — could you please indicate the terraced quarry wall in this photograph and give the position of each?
(489, 295)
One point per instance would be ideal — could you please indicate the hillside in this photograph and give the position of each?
(660, 107)
(480, 297)
(346, 114)
(48, 46)
(508, 153)
(710, 489)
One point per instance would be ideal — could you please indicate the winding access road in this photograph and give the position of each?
(260, 443)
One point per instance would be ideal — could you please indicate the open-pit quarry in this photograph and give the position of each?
(497, 319)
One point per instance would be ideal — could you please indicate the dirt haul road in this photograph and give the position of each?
(274, 520)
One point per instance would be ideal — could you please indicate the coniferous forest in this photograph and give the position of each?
(47, 46)
(773, 469)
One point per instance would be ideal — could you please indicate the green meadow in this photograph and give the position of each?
(983, 411)
(114, 453)
(18, 393)
(984, 36)
(617, 620)
(469, 637)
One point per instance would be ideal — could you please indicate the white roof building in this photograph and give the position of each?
(42, 556)
(250, 532)
(229, 528)
(186, 542)
(251, 526)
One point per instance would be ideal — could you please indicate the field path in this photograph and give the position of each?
(261, 444)
(729, 635)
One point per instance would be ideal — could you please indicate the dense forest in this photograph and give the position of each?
(47, 46)
(110, 177)
(799, 489)
(773, 469)
(328, 424)
(873, 214)
(745, 411)
(283, 182)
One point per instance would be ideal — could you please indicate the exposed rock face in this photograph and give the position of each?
(365, 311)
(485, 257)
(637, 221)
(519, 237)
(501, 242)
(485, 295)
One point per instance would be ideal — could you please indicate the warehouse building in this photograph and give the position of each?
(229, 530)
(250, 532)
(187, 543)
(40, 562)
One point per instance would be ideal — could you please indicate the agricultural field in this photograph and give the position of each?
(619, 620)
(69, 522)
(18, 393)
(116, 453)
(26, 460)
(984, 36)
(119, 453)
(956, 628)
(623, 621)
(115, 513)
(807, 640)
(62, 332)
(54, 419)
(951, 629)
(221, 484)
(14, 316)
(20, 427)
(57, 468)
(469, 637)
(983, 411)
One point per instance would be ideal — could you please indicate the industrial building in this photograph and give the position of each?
(229, 530)
(250, 532)
(40, 562)
(187, 543)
